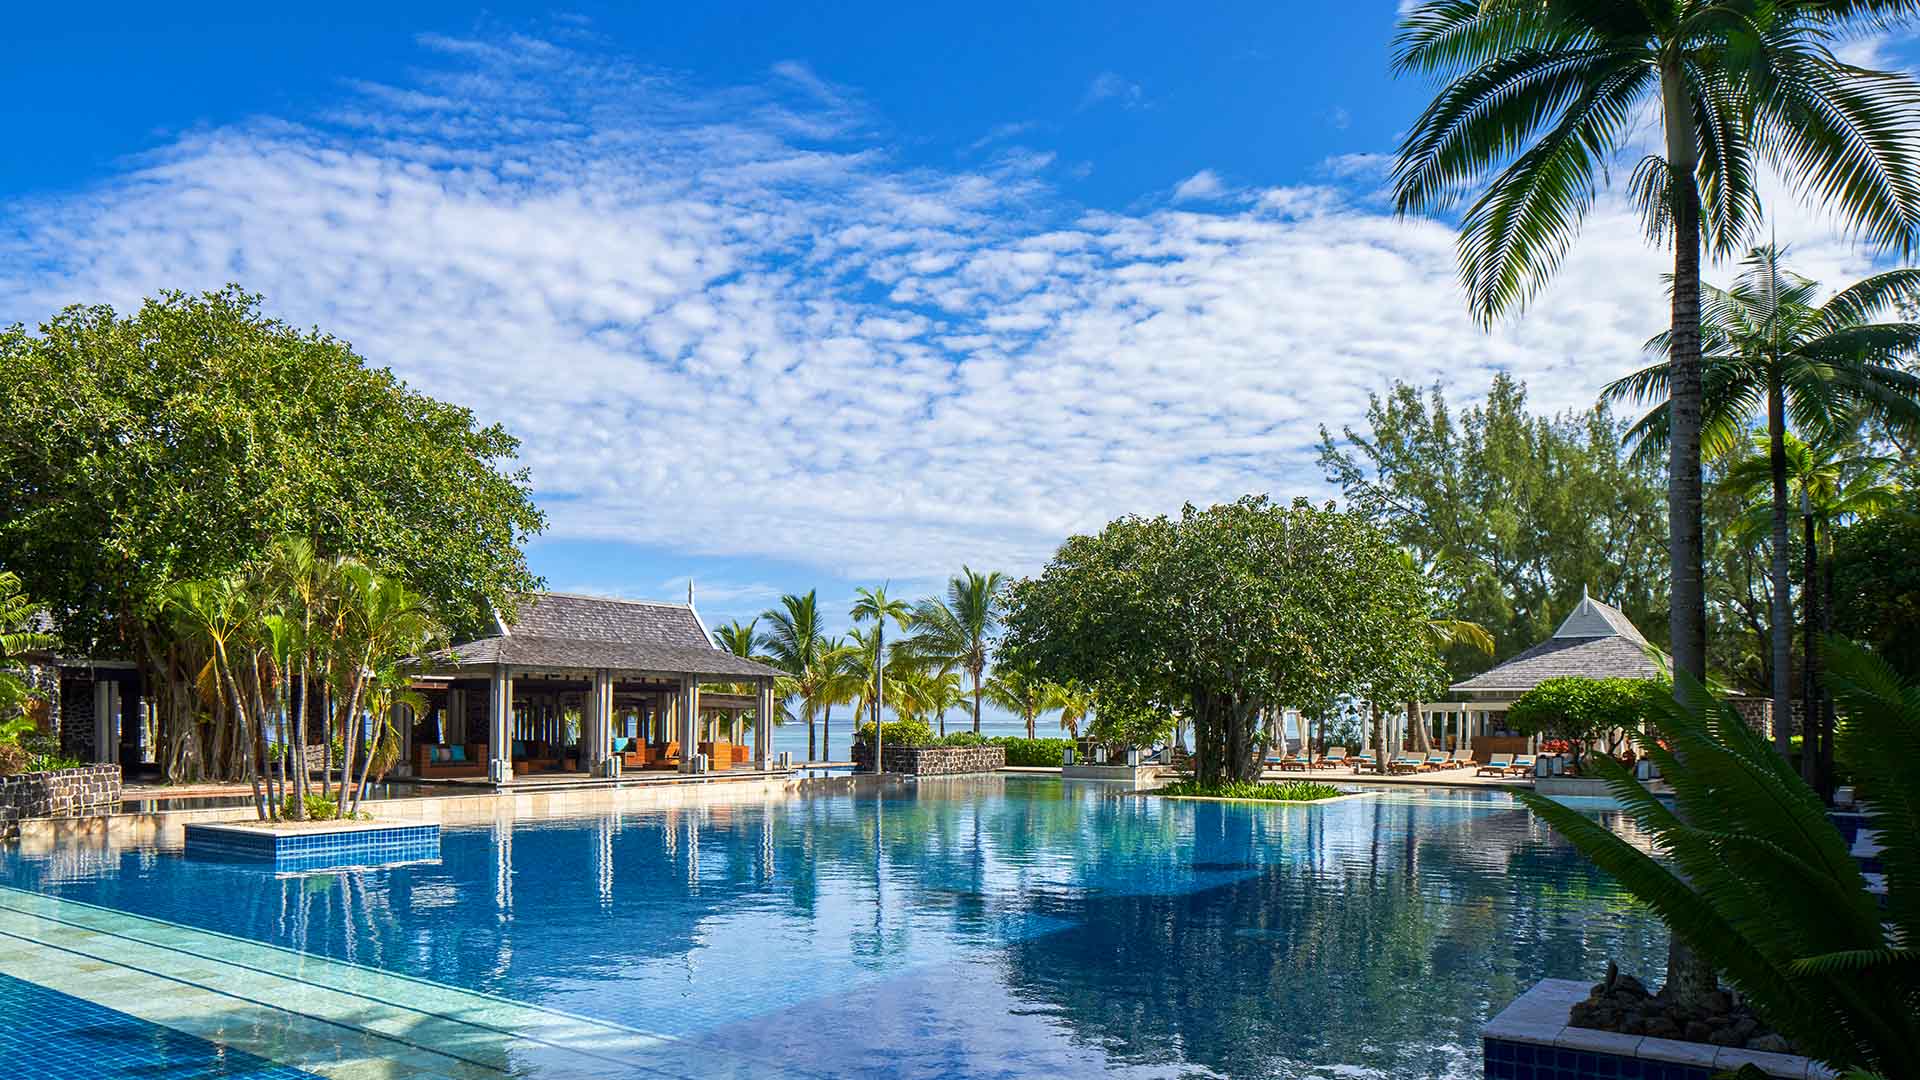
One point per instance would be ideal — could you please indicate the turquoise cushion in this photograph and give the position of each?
(457, 753)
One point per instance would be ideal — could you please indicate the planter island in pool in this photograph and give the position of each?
(313, 845)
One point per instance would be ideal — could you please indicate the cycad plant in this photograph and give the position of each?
(1749, 871)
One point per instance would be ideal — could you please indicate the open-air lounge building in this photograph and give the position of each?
(1595, 641)
(591, 686)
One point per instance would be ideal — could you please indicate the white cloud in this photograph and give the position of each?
(1110, 86)
(727, 324)
(1201, 186)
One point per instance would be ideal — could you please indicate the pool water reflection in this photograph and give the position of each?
(979, 927)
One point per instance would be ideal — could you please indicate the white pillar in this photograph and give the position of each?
(106, 721)
(596, 731)
(500, 726)
(763, 728)
(689, 721)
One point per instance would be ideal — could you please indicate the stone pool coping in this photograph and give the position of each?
(1539, 1018)
(303, 828)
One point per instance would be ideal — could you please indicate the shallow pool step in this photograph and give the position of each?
(336, 1019)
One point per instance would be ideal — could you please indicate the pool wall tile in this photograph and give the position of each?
(351, 846)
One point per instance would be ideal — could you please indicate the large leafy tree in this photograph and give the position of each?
(20, 632)
(1770, 349)
(958, 629)
(179, 442)
(1541, 97)
(1228, 612)
(1509, 513)
(1876, 586)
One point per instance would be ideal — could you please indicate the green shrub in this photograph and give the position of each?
(52, 762)
(1284, 791)
(1582, 710)
(319, 808)
(897, 733)
(1041, 752)
(963, 738)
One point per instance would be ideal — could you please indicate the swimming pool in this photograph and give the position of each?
(997, 926)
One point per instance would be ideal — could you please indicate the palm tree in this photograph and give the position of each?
(875, 606)
(1542, 96)
(1018, 690)
(1834, 481)
(1768, 349)
(960, 629)
(840, 684)
(1444, 634)
(1075, 701)
(796, 644)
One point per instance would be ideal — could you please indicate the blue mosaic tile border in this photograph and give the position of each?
(52, 1036)
(1526, 1061)
(312, 851)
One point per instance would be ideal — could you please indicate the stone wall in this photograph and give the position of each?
(61, 793)
(934, 760)
(76, 714)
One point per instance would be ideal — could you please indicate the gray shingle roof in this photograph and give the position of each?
(568, 631)
(1595, 642)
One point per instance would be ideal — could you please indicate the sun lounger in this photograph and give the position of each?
(1408, 763)
(1497, 765)
(1335, 757)
(1522, 764)
(1436, 761)
(1364, 762)
(1293, 762)
(1461, 759)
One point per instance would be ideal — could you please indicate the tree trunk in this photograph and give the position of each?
(1379, 736)
(1417, 726)
(826, 730)
(1824, 765)
(1810, 663)
(1689, 978)
(810, 743)
(1781, 573)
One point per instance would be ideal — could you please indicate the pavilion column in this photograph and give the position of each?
(500, 726)
(763, 728)
(689, 721)
(597, 737)
(1466, 731)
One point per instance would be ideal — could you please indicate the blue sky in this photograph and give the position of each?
(782, 296)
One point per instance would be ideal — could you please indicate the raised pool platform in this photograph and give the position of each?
(314, 845)
(1531, 1040)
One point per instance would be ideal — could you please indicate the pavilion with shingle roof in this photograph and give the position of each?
(631, 669)
(1595, 641)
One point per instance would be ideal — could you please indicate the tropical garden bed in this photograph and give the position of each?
(1284, 791)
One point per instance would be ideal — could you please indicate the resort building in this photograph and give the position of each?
(591, 686)
(1595, 641)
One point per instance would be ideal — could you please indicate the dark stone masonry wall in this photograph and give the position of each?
(61, 793)
(934, 760)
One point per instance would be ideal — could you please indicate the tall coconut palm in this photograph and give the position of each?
(1541, 97)
(1834, 480)
(840, 684)
(796, 644)
(960, 628)
(875, 606)
(1768, 349)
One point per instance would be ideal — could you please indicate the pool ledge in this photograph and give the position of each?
(314, 845)
(1532, 1032)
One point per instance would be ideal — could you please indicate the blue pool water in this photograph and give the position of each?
(1000, 926)
(51, 1036)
